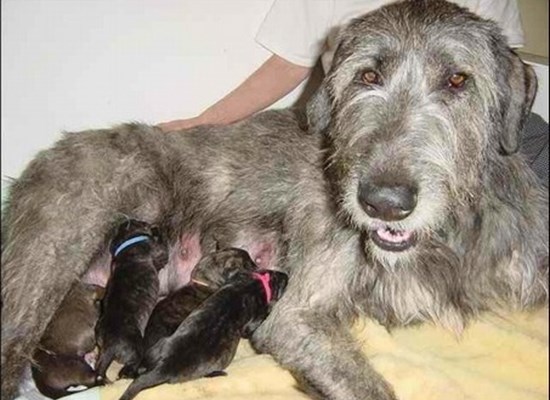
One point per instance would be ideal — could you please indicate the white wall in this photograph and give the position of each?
(78, 64)
(540, 105)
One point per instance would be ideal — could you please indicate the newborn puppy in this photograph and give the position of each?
(58, 375)
(206, 341)
(209, 275)
(59, 366)
(169, 314)
(132, 292)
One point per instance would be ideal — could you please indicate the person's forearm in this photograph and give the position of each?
(274, 79)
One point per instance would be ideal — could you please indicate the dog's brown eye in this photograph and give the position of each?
(457, 80)
(370, 77)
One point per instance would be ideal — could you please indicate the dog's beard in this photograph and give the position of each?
(420, 284)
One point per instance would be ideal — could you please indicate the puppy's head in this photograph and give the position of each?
(60, 375)
(134, 229)
(129, 229)
(216, 269)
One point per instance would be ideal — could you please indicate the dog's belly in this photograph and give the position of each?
(187, 252)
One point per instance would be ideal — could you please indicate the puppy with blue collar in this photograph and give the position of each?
(138, 253)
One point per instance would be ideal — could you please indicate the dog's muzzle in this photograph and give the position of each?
(387, 203)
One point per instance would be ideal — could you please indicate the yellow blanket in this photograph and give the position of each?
(498, 357)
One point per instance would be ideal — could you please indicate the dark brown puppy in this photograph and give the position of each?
(212, 271)
(132, 292)
(206, 341)
(170, 312)
(59, 367)
(58, 375)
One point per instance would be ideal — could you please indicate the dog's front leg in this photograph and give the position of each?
(321, 354)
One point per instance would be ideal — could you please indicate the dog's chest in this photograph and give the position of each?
(397, 298)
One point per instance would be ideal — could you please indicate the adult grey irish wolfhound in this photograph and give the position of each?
(407, 200)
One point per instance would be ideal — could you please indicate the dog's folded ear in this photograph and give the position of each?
(318, 110)
(515, 103)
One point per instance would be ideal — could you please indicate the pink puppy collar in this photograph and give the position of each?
(264, 278)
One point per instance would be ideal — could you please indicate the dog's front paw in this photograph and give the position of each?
(383, 392)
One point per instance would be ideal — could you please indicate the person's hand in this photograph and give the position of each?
(179, 124)
(270, 82)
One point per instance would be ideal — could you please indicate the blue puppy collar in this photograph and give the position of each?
(130, 242)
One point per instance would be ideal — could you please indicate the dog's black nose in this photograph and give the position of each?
(389, 202)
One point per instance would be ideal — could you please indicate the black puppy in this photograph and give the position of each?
(212, 271)
(132, 292)
(206, 341)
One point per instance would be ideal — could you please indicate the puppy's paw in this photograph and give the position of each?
(129, 371)
(215, 374)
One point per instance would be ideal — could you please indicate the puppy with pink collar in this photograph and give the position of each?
(206, 341)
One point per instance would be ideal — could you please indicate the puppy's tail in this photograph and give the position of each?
(145, 381)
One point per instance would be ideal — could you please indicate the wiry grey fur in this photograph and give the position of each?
(480, 218)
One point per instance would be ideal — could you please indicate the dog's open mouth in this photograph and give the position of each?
(391, 239)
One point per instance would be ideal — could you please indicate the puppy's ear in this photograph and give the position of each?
(155, 232)
(319, 109)
(515, 103)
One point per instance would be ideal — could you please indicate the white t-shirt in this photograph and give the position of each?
(301, 30)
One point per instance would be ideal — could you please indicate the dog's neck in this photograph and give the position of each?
(129, 243)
